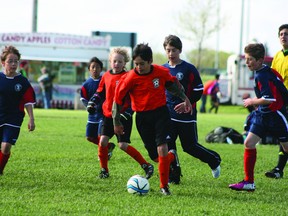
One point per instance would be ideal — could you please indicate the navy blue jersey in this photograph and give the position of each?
(15, 93)
(190, 79)
(270, 87)
(88, 89)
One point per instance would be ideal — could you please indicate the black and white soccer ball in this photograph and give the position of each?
(138, 184)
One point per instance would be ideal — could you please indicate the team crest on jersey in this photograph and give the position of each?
(180, 75)
(18, 87)
(156, 82)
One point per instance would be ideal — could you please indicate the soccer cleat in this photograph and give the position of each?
(274, 173)
(243, 186)
(175, 169)
(110, 150)
(149, 170)
(103, 173)
(165, 191)
(216, 172)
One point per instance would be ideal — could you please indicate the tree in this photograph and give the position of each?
(198, 23)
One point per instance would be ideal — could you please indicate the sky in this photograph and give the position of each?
(152, 20)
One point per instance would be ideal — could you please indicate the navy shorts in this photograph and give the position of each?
(9, 134)
(93, 130)
(107, 129)
(275, 123)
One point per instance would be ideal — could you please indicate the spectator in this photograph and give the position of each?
(24, 67)
(46, 84)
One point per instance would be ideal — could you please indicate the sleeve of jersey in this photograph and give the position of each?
(264, 87)
(121, 91)
(29, 96)
(197, 88)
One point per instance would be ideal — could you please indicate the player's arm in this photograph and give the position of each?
(95, 100)
(116, 115)
(31, 123)
(176, 89)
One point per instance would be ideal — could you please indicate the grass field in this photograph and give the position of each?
(53, 171)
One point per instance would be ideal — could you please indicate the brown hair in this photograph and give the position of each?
(256, 50)
(9, 50)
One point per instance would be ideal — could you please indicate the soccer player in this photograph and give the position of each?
(88, 89)
(280, 64)
(16, 93)
(118, 59)
(146, 85)
(184, 125)
(270, 116)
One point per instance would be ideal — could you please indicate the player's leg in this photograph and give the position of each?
(189, 141)
(9, 136)
(124, 141)
(250, 155)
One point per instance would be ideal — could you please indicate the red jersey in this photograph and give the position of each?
(147, 91)
(108, 83)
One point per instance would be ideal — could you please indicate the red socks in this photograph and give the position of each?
(163, 168)
(136, 155)
(249, 164)
(3, 161)
(103, 156)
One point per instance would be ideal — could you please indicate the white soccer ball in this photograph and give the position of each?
(138, 184)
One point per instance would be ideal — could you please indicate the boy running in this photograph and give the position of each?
(270, 115)
(146, 85)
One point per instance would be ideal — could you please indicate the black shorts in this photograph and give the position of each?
(107, 129)
(153, 127)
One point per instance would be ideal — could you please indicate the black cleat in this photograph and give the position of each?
(149, 170)
(165, 191)
(274, 173)
(103, 173)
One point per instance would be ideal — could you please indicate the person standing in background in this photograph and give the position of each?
(24, 68)
(16, 95)
(46, 84)
(206, 91)
(214, 92)
(280, 64)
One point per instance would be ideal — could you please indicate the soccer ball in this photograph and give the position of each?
(138, 185)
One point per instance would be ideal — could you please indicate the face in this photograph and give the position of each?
(117, 62)
(11, 63)
(143, 67)
(252, 63)
(283, 36)
(95, 70)
(173, 54)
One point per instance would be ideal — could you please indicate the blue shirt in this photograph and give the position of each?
(15, 92)
(88, 89)
(190, 79)
(269, 87)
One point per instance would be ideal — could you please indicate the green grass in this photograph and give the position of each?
(53, 171)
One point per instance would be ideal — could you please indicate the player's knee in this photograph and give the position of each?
(93, 140)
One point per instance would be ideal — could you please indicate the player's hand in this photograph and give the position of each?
(31, 125)
(119, 129)
(183, 108)
(247, 102)
(125, 116)
(91, 107)
(96, 99)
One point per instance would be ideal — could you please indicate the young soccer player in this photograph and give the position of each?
(270, 115)
(184, 125)
(280, 64)
(146, 85)
(118, 59)
(88, 89)
(16, 93)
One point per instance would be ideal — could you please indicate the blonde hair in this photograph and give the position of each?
(121, 51)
